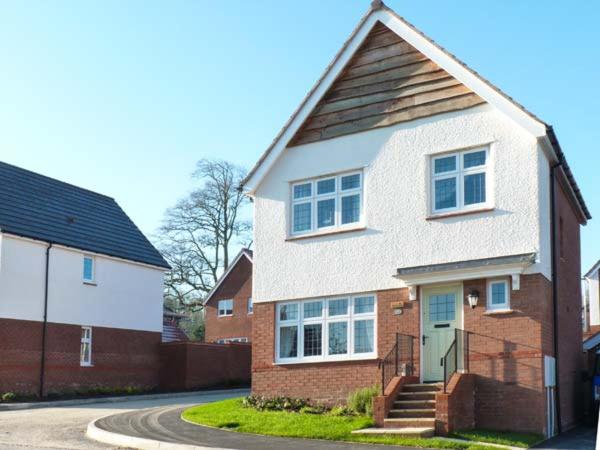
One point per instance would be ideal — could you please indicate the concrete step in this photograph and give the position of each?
(404, 422)
(412, 413)
(421, 432)
(414, 404)
(422, 387)
(416, 396)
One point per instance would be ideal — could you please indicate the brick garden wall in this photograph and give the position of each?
(193, 365)
(120, 358)
(237, 286)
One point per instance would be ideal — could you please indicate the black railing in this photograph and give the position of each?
(398, 361)
(457, 357)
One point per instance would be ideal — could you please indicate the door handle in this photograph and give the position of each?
(424, 337)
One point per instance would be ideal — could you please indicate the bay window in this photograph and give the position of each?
(326, 329)
(327, 203)
(459, 181)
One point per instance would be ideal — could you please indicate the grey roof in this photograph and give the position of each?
(470, 264)
(39, 207)
(594, 268)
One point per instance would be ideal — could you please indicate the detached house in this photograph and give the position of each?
(81, 290)
(414, 225)
(228, 306)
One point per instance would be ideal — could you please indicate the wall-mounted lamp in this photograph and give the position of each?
(473, 298)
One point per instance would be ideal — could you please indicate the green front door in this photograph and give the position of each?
(442, 310)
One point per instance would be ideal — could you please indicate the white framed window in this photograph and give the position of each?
(327, 203)
(89, 269)
(85, 354)
(225, 308)
(326, 329)
(498, 295)
(460, 181)
(250, 306)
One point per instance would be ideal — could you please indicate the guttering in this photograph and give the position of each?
(45, 324)
(554, 287)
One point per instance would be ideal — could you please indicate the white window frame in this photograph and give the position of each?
(93, 279)
(500, 307)
(459, 175)
(250, 306)
(350, 318)
(88, 341)
(224, 309)
(338, 194)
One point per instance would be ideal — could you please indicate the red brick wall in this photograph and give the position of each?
(120, 358)
(506, 355)
(192, 365)
(569, 331)
(455, 410)
(328, 382)
(237, 286)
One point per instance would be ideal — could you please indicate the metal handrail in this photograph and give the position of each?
(399, 357)
(453, 357)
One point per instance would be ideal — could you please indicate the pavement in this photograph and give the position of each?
(64, 427)
(581, 438)
(165, 424)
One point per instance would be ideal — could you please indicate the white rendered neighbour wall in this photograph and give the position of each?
(126, 295)
(594, 297)
(396, 162)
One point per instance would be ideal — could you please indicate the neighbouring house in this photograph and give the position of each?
(81, 290)
(172, 331)
(591, 301)
(228, 306)
(414, 224)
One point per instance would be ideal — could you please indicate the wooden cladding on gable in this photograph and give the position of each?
(387, 82)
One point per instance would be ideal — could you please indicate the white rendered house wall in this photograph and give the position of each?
(396, 201)
(593, 288)
(125, 295)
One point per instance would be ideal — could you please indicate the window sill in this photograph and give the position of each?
(458, 213)
(90, 283)
(499, 312)
(224, 315)
(326, 361)
(325, 233)
(86, 365)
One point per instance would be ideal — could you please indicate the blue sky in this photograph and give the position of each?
(124, 97)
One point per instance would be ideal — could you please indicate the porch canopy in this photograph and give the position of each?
(511, 265)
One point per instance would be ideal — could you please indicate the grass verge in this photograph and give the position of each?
(524, 440)
(231, 415)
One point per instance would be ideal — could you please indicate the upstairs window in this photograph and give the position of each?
(327, 203)
(88, 269)
(250, 306)
(225, 308)
(85, 354)
(459, 181)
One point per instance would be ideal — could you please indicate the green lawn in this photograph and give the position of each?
(231, 415)
(524, 440)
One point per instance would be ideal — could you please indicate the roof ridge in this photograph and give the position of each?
(56, 180)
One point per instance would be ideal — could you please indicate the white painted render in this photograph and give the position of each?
(125, 295)
(396, 201)
(593, 291)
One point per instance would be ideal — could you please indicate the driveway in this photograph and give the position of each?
(64, 427)
(582, 438)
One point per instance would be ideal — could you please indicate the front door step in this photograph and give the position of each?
(408, 422)
(420, 432)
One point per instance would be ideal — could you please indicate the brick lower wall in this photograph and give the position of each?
(120, 358)
(192, 365)
(455, 409)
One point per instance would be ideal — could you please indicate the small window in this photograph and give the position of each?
(250, 306)
(498, 295)
(459, 181)
(88, 269)
(85, 356)
(225, 308)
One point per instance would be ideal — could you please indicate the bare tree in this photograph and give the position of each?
(198, 232)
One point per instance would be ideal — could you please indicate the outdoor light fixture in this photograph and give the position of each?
(473, 298)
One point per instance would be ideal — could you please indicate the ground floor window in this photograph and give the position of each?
(326, 329)
(85, 355)
(498, 297)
